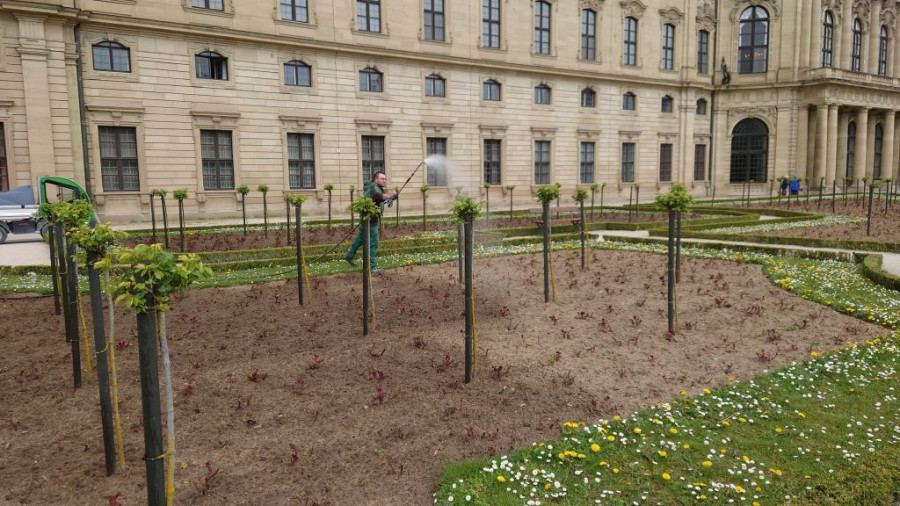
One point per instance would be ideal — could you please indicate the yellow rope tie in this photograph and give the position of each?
(86, 343)
(113, 378)
(474, 333)
(305, 271)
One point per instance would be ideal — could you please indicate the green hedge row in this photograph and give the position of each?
(887, 247)
(871, 268)
(771, 250)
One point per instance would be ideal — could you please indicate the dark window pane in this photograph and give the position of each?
(586, 156)
(372, 155)
(437, 175)
(492, 154)
(119, 158)
(699, 162)
(665, 162)
(217, 159)
(301, 161)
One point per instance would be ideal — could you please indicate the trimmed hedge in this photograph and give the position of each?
(771, 250)
(888, 247)
(871, 268)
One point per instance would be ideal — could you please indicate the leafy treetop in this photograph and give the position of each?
(547, 193)
(487, 185)
(328, 187)
(263, 188)
(352, 187)
(364, 206)
(180, 194)
(579, 195)
(594, 187)
(465, 209)
(676, 199)
(295, 199)
(68, 214)
(152, 275)
(95, 242)
(510, 187)
(159, 192)
(243, 189)
(424, 188)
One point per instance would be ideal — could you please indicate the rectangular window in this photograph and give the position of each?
(627, 162)
(542, 94)
(112, 57)
(435, 86)
(301, 161)
(119, 159)
(372, 155)
(218, 159)
(541, 162)
(699, 162)
(541, 27)
(434, 20)
(668, 47)
(215, 5)
(586, 174)
(437, 175)
(490, 23)
(588, 35)
(4, 168)
(492, 161)
(665, 162)
(295, 10)
(629, 56)
(702, 52)
(368, 16)
(490, 90)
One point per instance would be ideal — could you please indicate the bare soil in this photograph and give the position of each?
(324, 235)
(885, 221)
(374, 419)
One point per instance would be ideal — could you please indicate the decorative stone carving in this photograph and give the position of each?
(888, 18)
(707, 23)
(595, 5)
(672, 16)
(705, 8)
(765, 113)
(769, 5)
(633, 8)
(861, 10)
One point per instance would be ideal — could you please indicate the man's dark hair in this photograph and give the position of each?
(375, 175)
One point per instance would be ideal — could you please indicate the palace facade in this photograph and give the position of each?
(126, 96)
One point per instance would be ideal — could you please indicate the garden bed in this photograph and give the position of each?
(374, 419)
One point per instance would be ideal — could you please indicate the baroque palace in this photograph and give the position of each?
(130, 95)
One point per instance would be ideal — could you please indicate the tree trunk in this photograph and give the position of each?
(102, 346)
(470, 299)
(153, 217)
(54, 267)
(869, 216)
(150, 399)
(170, 407)
(181, 223)
(244, 211)
(287, 214)
(72, 322)
(265, 216)
(165, 217)
(367, 271)
(546, 227)
(300, 266)
(678, 248)
(583, 238)
(460, 245)
(670, 274)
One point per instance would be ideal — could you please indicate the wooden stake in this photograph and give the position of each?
(150, 399)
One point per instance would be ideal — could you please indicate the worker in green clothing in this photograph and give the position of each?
(375, 191)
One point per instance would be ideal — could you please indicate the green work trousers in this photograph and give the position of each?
(357, 243)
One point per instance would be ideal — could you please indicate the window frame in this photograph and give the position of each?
(883, 44)
(748, 61)
(667, 104)
(492, 167)
(119, 176)
(587, 168)
(543, 19)
(856, 47)
(490, 25)
(629, 101)
(111, 47)
(295, 7)
(700, 161)
(370, 73)
(702, 106)
(630, 41)
(827, 59)
(373, 164)
(430, 81)
(588, 35)
(432, 14)
(666, 157)
(628, 164)
(492, 83)
(203, 160)
(216, 60)
(301, 162)
(295, 65)
(703, 52)
(542, 94)
(587, 91)
(207, 5)
(668, 47)
(367, 21)
(433, 179)
(541, 158)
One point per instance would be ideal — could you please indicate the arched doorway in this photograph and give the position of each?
(749, 151)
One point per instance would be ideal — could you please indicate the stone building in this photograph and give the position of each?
(208, 95)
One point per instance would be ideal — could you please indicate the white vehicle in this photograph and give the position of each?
(18, 212)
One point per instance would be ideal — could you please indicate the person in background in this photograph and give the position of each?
(375, 191)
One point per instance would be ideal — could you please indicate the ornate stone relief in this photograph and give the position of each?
(769, 5)
(888, 18)
(766, 113)
(671, 15)
(595, 5)
(705, 8)
(707, 23)
(837, 9)
(633, 8)
(861, 11)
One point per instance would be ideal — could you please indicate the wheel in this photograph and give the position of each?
(3, 234)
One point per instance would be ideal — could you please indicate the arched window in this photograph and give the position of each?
(851, 147)
(667, 104)
(541, 27)
(297, 73)
(112, 56)
(629, 101)
(629, 56)
(588, 98)
(490, 90)
(827, 39)
(211, 65)
(701, 107)
(435, 86)
(749, 151)
(542, 94)
(882, 51)
(371, 80)
(856, 50)
(753, 46)
(668, 47)
(879, 147)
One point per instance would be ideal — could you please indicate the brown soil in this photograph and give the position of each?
(323, 235)
(885, 225)
(375, 419)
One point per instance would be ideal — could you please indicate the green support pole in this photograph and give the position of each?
(100, 345)
(153, 441)
(300, 266)
(546, 218)
(470, 299)
(367, 270)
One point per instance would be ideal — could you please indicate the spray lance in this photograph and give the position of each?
(391, 203)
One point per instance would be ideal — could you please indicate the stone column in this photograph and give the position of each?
(802, 141)
(846, 34)
(831, 155)
(811, 129)
(874, 34)
(870, 147)
(887, 145)
(841, 165)
(33, 51)
(862, 130)
(821, 139)
(815, 35)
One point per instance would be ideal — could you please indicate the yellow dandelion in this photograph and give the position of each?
(739, 488)
(726, 423)
(702, 497)
(682, 393)
(615, 470)
(617, 417)
(603, 463)
(595, 447)
(707, 391)
(673, 430)
(636, 430)
(778, 430)
(742, 419)
(802, 415)
(547, 485)
(814, 354)
(610, 438)
(666, 476)
(707, 463)
(501, 479)
(686, 446)
(662, 453)
(776, 472)
(746, 459)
